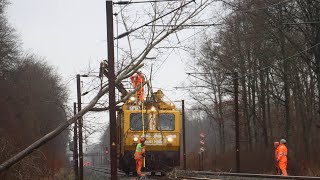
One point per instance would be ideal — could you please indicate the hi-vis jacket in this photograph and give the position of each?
(140, 150)
(282, 153)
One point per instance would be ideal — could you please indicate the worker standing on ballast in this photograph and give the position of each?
(282, 157)
(276, 151)
(139, 156)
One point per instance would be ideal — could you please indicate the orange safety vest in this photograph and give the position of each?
(136, 80)
(282, 153)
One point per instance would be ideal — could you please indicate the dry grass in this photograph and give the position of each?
(258, 161)
(61, 174)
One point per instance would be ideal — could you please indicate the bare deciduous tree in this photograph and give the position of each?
(172, 16)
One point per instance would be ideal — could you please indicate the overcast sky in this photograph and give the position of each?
(71, 36)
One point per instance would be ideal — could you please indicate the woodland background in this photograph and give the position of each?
(31, 105)
(273, 45)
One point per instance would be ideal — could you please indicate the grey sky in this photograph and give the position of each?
(71, 36)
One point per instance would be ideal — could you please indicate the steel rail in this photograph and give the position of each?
(198, 178)
(218, 175)
(247, 175)
(105, 171)
(102, 170)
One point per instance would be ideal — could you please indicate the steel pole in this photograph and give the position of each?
(75, 145)
(236, 115)
(112, 97)
(199, 159)
(184, 137)
(202, 154)
(80, 129)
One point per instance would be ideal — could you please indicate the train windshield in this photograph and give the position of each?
(166, 122)
(136, 122)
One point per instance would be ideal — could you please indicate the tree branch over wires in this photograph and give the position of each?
(130, 31)
(181, 16)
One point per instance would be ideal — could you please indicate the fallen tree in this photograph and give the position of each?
(7, 164)
(181, 16)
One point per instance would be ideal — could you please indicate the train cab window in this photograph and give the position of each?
(136, 122)
(166, 122)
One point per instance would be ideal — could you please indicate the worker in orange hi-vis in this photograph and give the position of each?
(139, 156)
(137, 79)
(282, 157)
(276, 151)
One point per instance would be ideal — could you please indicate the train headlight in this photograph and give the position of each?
(132, 98)
(135, 139)
(170, 139)
(153, 108)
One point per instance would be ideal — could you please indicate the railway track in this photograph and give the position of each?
(207, 175)
(104, 173)
(100, 172)
(102, 169)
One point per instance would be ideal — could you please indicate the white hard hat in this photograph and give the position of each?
(283, 141)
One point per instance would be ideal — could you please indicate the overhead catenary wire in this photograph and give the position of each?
(69, 81)
(122, 8)
(190, 37)
(257, 71)
(235, 10)
(269, 66)
(266, 67)
(186, 25)
(163, 62)
(163, 16)
(186, 87)
(91, 81)
(147, 24)
(95, 88)
(139, 2)
(239, 9)
(275, 63)
(193, 35)
(298, 23)
(227, 90)
(160, 17)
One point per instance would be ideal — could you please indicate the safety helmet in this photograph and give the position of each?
(283, 141)
(276, 144)
(142, 139)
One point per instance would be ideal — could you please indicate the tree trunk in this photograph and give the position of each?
(263, 109)
(268, 107)
(253, 112)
